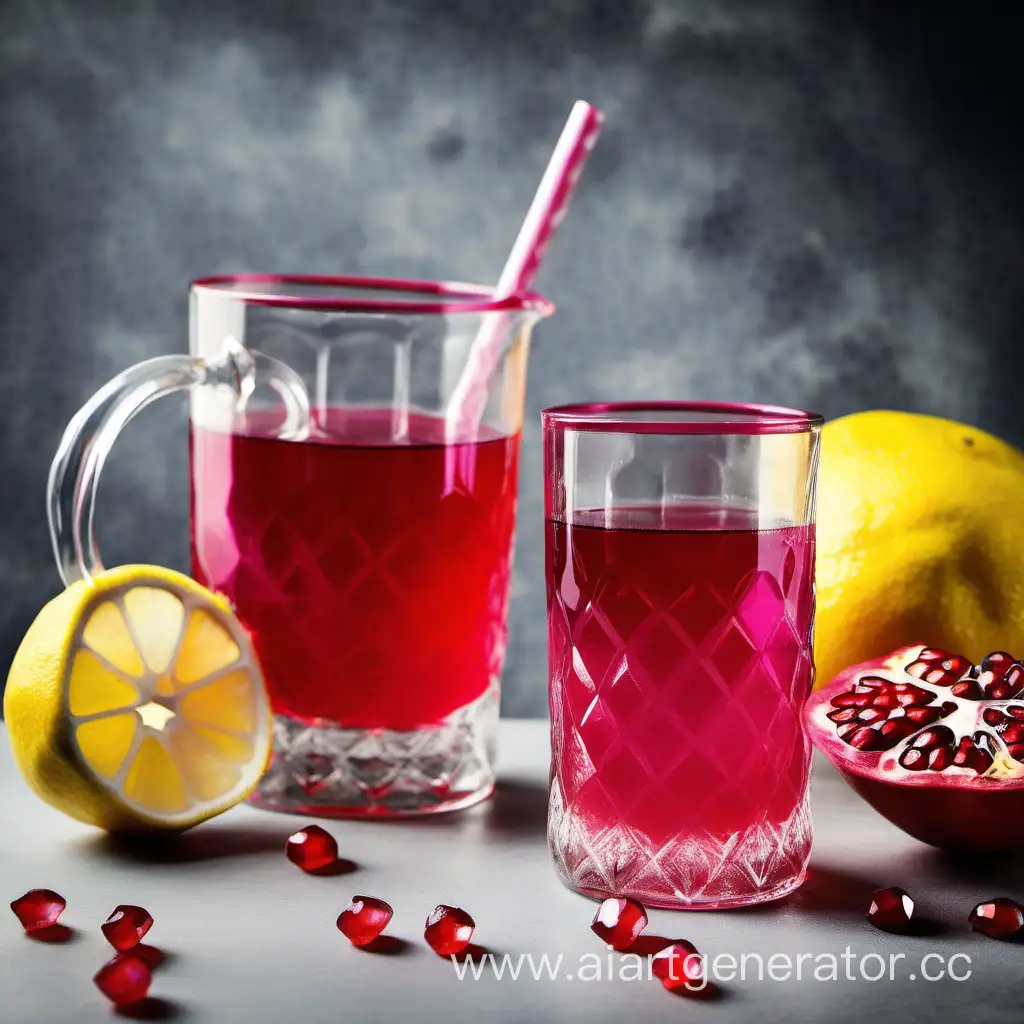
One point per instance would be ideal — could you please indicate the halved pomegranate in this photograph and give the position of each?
(931, 741)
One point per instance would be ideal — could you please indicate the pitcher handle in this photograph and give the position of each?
(75, 471)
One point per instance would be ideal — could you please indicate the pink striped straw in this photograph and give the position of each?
(468, 398)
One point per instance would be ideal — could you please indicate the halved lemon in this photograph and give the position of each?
(136, 703)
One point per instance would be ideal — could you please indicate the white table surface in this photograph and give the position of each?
(250, 938)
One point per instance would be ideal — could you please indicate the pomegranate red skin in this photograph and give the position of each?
(954, 812)
(954, 819)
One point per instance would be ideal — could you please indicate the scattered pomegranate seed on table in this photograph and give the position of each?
(678, 964)
(999, 918)
(619, 921)
(448, 930)
(124, 980)
(151, 956)
(38, 909)
(891, 909)
(364, 919)
(312, 848)
(126, 926)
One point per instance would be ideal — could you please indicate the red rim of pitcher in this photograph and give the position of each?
(670, 418)
(452, 296)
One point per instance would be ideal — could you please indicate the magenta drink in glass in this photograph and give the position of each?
(680, 586)
(361, 531)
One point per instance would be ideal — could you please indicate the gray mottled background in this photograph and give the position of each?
(805, 203)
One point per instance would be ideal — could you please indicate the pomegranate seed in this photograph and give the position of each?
(364, 919)
(915, 760)
(126, 979)
(938, 667)
(932, 748)
(999, 918)
(126, 926)
(678, 964)
(312, 848)
(848, 700)
(997, 662)
(448, 930)
(151, 956)
(891, 909)
(970, 755)
(999, 676)
(999, 691)
(619, 921)
(841, 715)
(968, 689)
(39, 908)
(865, 739)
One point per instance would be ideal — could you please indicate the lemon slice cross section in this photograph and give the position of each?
(136, 702)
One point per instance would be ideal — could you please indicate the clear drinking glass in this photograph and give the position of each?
(680, 585)
(363, 536)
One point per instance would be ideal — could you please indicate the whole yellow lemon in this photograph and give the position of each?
(920, 540)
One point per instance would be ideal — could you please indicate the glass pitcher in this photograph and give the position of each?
(354, 460)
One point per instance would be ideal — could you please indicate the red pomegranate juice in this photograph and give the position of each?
(680, 658)
(373, 574)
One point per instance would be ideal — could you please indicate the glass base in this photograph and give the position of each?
(325, 770)
(763, 863)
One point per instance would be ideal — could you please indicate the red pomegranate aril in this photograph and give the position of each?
(126, 926)
(938, 667)
(969, 689)
(448, 930)
(864, 739)
(125, 980)
(998, 663)
(619, 921)
(38, 909)
(891, 909)
(932, 748)
(364, 919)
(1000, 691)
(151, 956)
(1000, 676)
(915, 760)
(970, 755)
(999, 918)
(678, 964)
(312, 848)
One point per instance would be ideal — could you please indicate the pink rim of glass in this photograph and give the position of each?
(680, 418)
(438, 296)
